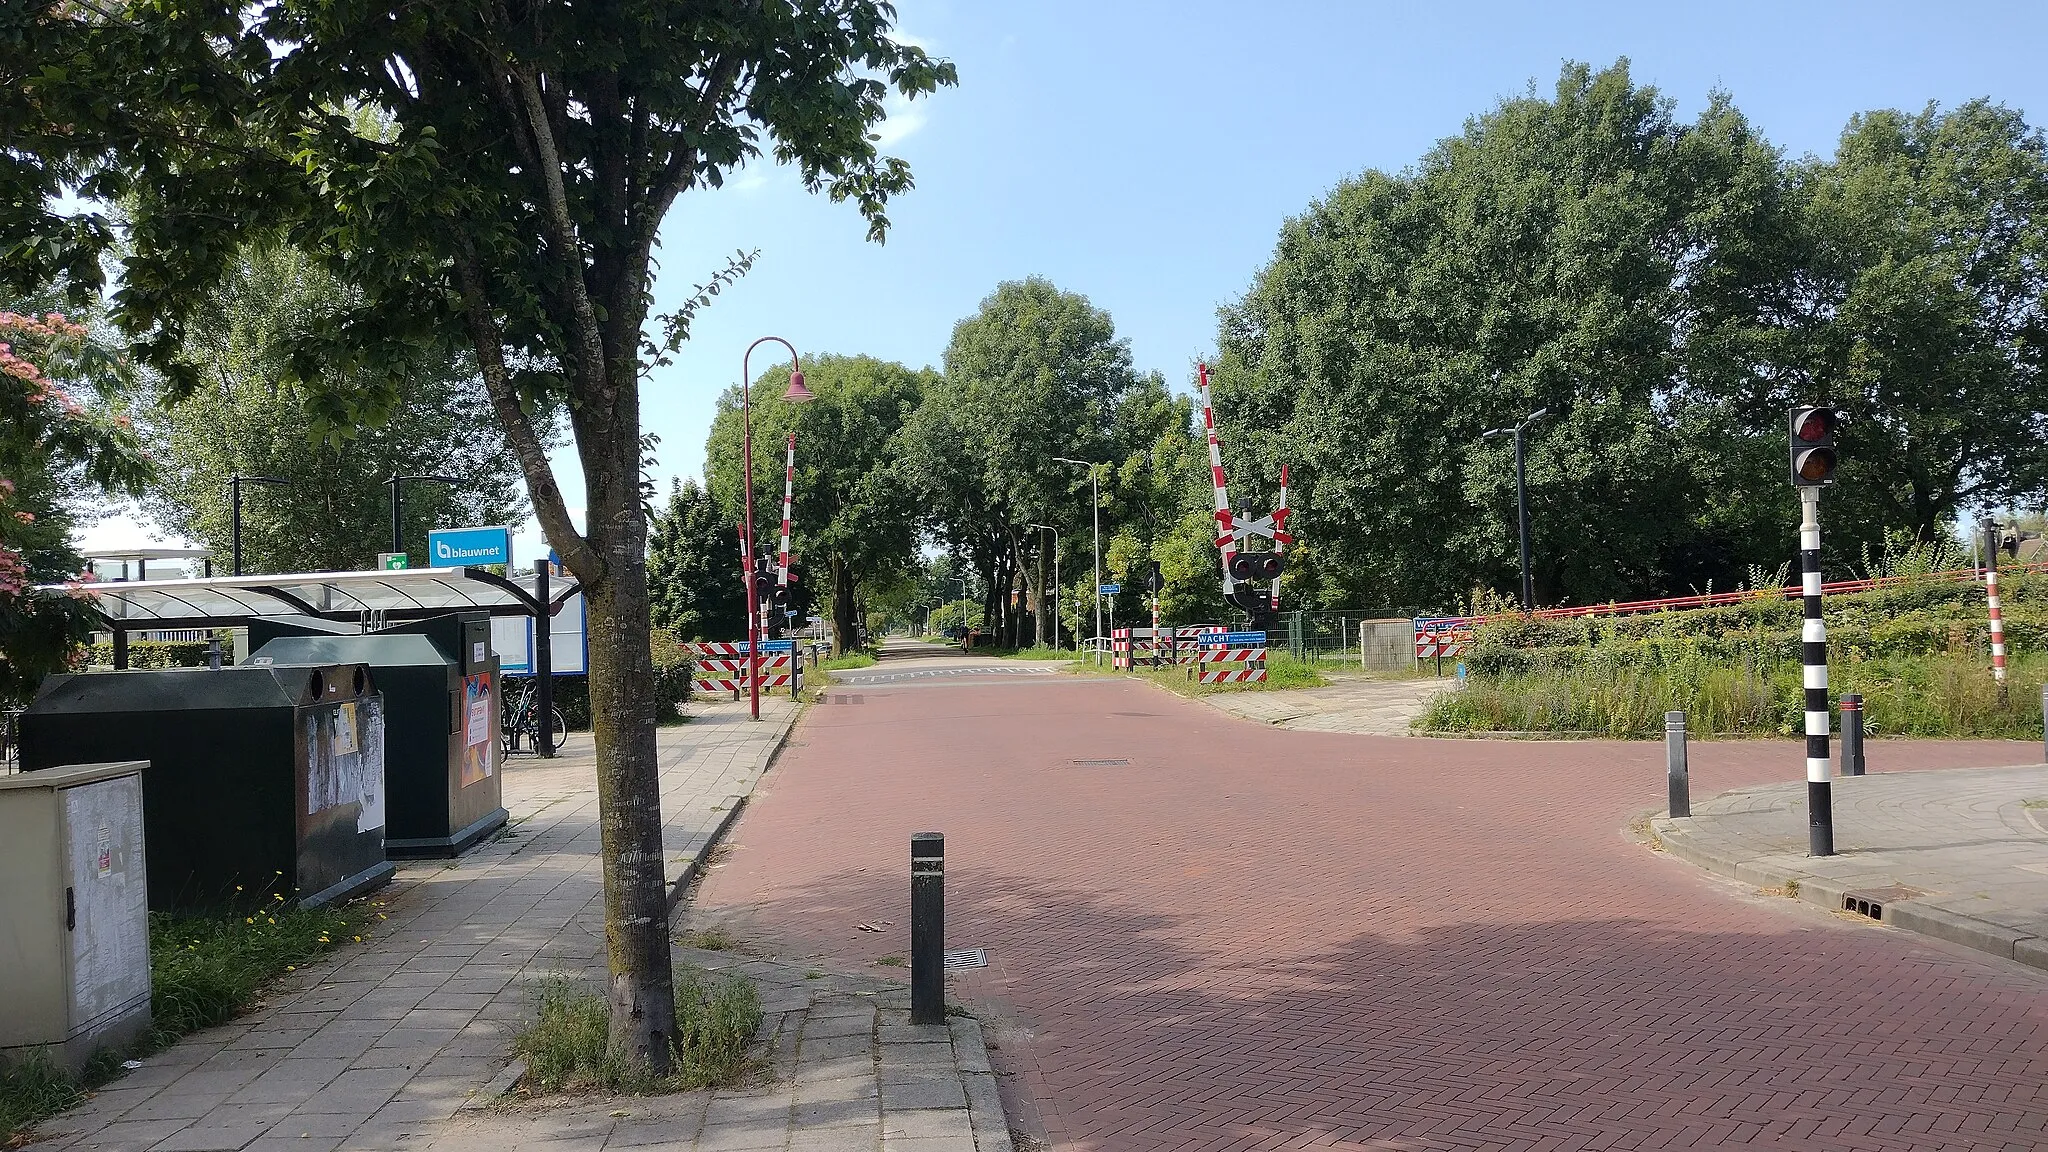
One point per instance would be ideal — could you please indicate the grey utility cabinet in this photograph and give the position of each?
(74, 912)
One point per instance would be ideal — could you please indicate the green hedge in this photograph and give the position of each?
(673, 669)
(160, 653)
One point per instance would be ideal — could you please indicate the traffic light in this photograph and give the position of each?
(1154, 579)
(1812, 444)
(2009, 541)
(1253, 567)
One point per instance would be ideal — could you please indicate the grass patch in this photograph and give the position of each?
(1035, 652)
(567, 1048)
(203, 971)
(847, 660)
(1923, 696)
(712, 939)
(892, 961)
(1282, 672)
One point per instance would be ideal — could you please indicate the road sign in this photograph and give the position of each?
(1235, 639)
(460, 547)
(1109, 589)
(392, 561)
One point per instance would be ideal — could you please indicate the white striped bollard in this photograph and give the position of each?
(1813, 654)
(1997, 617)
(1677, 782)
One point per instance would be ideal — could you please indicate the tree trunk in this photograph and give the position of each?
(843, 608)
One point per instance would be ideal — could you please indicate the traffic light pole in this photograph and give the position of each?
(1813, 648)
(1522, 517)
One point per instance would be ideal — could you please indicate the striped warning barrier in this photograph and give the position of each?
(721, 666)
(1232, 666)
(1127, 645)
(1442, 638)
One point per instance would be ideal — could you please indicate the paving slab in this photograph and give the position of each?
(1364, 705)
(1960, 855)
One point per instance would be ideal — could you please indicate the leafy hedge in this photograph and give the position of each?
(673, 669)
(159, 654)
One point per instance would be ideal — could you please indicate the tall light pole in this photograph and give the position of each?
(235, 483)
(1521, 499)
(1095, 509)
(796, 394)
(397, 522)
(1055, 580)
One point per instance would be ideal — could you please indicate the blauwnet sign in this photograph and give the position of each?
(462, 547)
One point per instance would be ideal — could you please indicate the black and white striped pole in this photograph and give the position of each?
(1813, 654)
(1813, 467)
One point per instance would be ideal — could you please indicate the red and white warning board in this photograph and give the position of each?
(721, 666)
(1442, 637)
(1231, 665)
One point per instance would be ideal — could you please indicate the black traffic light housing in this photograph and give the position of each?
(1253, 572)
(1155, 581)
(1811, 441)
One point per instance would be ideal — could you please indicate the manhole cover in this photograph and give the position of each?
(970, 958)
(1100, 763)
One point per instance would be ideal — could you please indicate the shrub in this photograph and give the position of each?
(567, 1046)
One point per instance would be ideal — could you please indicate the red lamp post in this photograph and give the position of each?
(796, 394)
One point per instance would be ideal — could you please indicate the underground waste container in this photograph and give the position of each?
(263, 780)
(439, 680)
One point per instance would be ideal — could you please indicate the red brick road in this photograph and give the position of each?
(1249, 938)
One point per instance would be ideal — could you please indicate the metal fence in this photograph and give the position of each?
(1343, 635)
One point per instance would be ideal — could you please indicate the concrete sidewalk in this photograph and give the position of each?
(1357, 704)
(1960, 855)
(383, 1045)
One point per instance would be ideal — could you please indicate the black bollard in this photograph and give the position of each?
(1852, 734)
(1678, 783)
(928, 928)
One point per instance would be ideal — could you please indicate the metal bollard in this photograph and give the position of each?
(1676, 779)
(1852, 734)
(928, 928)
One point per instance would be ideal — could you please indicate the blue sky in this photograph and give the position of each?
(1145, 154)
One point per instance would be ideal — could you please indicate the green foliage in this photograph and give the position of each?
(955, 614)
(1040, 652)
(161, 653)
(1282, 671)
(853, 659)
(205, 970)
(854, 518)
(567, 1047)
(693, 567)
(333, 511)
(31, 1091)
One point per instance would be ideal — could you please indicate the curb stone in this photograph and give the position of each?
(1828, 893)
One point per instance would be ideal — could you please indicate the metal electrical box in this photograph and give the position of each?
(439, 680)
(263, 780)
(74, 912)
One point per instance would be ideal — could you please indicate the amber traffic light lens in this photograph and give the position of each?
(1817, 464)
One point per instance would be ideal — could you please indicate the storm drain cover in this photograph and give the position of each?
(971, 958)
(1871, 901)
(1100, 763)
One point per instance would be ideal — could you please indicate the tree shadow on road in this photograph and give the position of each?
(1144, 1029)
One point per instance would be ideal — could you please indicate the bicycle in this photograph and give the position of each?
(520, 719)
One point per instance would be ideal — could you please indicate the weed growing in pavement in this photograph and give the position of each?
(32, 1091)
(709, 939)
(567, 1048)
(2034, 803)
(892, 961)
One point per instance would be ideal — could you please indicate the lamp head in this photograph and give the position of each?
(797, 393)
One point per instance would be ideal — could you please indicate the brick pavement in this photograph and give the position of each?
(1970, 848)
(381, 1045)
(1254, 938)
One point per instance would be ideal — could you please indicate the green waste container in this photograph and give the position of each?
(439, 680)
(263, 781)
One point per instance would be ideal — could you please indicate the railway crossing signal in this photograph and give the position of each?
(1812, 446)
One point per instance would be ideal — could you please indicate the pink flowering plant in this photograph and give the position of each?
(60, 442)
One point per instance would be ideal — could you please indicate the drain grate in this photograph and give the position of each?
(1100, 763)
(970, 958)
(1871, 901)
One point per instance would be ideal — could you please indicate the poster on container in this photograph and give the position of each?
(476, 728)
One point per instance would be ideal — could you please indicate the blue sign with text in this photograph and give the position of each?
(1109, 589)
(461, 547)
(1240, 638)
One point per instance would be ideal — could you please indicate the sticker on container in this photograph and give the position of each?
(105, 853)
(479, 748)
(476, 652)
(345, 730)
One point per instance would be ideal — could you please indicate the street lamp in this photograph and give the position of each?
(397, 528)
(1095, 507)
(1055, 580)
(796, 394)
(235, 483)
(1521, 500)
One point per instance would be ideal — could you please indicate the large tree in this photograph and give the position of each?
(538, 149)
(1584, 253)
(693, 567)
(1927, 318)
(855, 519)
(1035, 374)
(333, 512)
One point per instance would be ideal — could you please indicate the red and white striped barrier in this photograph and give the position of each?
(1134, 645)
(1435, 639)
(1231, 666)
(721, 666)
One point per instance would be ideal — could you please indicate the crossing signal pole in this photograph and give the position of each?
(1813, 463)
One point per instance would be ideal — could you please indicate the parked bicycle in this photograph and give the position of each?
(521, 719)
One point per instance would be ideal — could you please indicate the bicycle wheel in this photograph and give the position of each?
(561, 727)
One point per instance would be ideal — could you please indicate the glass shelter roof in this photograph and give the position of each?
(401, 594)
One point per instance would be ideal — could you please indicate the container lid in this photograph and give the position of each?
(72, 775)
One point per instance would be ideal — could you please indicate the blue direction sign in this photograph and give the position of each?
(1241, 639)
(1109, 589)
(461, 547)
